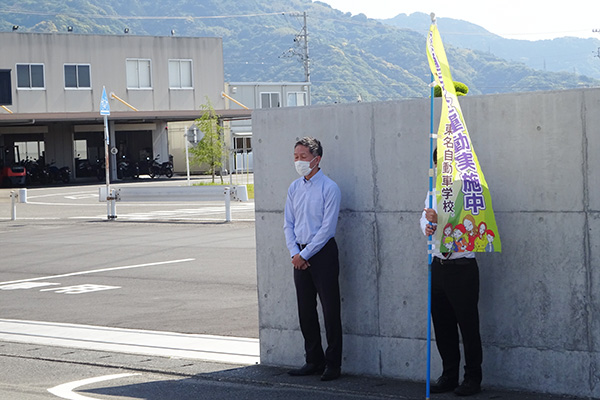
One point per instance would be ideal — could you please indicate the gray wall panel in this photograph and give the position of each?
(539, 304)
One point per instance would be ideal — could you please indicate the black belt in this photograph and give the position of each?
(302, 246)
(454, 261)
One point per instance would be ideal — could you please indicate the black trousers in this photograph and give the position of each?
(321, 279)
(454, 298)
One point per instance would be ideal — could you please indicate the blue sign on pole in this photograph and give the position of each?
(104, 106)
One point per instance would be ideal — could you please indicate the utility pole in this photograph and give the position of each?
(301, 41)
(305, 59)
(598, 54)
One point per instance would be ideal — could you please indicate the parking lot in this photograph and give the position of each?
(81, 202)
(160, 268)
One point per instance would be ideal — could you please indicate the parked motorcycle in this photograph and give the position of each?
(157, 169)
(56, 174)
(84, 168)
(127, 169)
(35, 172)
(145, 166)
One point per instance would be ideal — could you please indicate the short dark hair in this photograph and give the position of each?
(314, 146)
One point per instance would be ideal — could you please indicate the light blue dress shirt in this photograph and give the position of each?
(311, 214)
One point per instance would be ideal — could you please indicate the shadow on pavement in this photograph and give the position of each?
(261, 382)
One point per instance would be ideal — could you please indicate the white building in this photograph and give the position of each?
(57, 81)
(259, 95)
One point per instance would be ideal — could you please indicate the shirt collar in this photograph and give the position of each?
(316, 177)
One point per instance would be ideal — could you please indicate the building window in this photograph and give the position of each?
(139, 74)
(243, 144)
(32, 150)
(269, 100)
(296, 99)
(81, 149)
(30, 76)
(77, 76)
(243, 154)
(180, 74)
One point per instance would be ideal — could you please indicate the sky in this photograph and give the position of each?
(513, 19)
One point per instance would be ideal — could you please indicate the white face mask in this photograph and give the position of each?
(303, 167)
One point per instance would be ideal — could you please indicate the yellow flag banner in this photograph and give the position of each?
(463, 199)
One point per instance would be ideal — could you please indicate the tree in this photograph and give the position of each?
(210, 149)
(460, 88)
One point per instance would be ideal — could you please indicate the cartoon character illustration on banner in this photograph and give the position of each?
(481, 238)
(469, 223)
(447, 240)
(490, 238)
(460, 239)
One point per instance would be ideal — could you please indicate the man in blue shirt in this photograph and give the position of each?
(454, 307)
(311, 214)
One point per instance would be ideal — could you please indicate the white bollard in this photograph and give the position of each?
(21, 197)
(113, 205)
(227, 204)
(13, 197)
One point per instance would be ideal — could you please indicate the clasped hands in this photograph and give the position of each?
(300, 263)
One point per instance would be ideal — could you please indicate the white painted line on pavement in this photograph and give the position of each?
(65, 391)
(94, 271)
(80, 196)
(36, 219)
(227, 349)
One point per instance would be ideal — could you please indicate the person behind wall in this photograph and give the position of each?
(311, 213)
(454, 299)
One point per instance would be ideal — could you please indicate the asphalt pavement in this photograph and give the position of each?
(104, 375)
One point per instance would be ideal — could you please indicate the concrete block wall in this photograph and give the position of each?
(540, 302)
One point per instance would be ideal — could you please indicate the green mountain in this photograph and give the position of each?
(565, 54)
(352, 58)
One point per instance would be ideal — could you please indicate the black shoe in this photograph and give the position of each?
(308, 369)
(444, 384)
(331, 373)
(467, 388)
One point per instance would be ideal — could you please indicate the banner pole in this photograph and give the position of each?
(109, 198)
(430, 238)
(429, 247)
